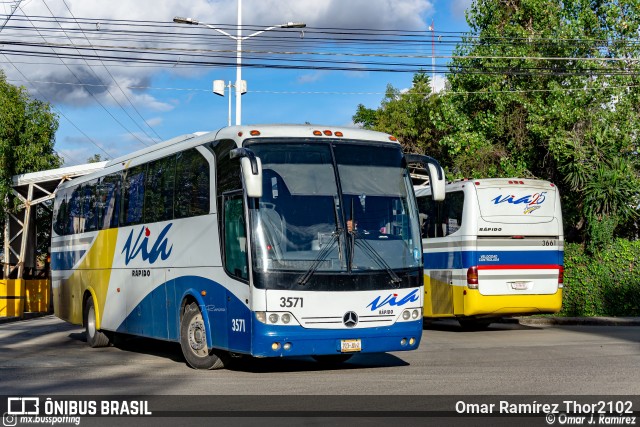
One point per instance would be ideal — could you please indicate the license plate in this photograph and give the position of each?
(520, 286)
(348, 346)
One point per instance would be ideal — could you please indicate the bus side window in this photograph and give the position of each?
(158, 202)
(61, 215)
(440, 219)
(192, 186)
(454, 204)
(133, 197)
(108, 192)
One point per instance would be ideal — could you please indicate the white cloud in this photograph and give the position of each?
(311, 77)
(438, 83)
(155, 121)
(374, 14)
(458, 8)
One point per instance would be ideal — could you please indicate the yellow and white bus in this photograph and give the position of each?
(493, 248)
(268, 241)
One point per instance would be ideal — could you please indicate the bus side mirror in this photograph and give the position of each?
(251, 167)
(437, 179)
(437, 182)
(252, 182)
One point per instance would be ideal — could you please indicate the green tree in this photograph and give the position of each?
(539, 88)
(27, 136)
(412, 116)
(543, 89)
(96, 158)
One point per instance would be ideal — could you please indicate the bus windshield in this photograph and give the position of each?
(333, 207)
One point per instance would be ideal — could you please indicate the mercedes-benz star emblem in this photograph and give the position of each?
(350, 319)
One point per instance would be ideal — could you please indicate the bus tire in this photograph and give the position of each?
(474, 324)
(95, 338)
(332, 359)
(193, 340)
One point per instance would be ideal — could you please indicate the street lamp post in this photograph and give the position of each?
(240, 87)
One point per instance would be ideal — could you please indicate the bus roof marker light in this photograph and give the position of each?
(240, 134)
(255, 132)
(328, 132)
(339, 134)
(393, 138)
(317, 133)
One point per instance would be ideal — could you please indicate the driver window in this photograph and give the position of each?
(235, 237)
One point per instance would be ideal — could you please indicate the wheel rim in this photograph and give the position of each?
(197, 336)
(91, 322)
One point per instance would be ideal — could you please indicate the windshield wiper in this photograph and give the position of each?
(326, 250)
(366, 246)
(369, 250)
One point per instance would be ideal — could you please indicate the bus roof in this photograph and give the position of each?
(303, 131)
(425, 190)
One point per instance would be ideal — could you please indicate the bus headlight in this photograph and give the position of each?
(276, 318)
(406, 315)
(415, 314)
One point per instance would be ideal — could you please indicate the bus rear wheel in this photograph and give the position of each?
(193, 340)
(95, 338)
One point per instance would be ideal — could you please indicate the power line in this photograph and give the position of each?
(284, 92)
(90, 93)
(112, 78)
(107, 88)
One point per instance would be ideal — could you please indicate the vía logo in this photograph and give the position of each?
(532, 202)
(392, 300)
(141, 246)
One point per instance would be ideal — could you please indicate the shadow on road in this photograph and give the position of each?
(296, 364)
(243, 363)
(452, 325)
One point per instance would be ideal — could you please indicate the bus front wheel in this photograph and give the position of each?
(193, 340)
(95, 338)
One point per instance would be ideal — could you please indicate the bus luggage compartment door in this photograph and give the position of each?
(441, 292)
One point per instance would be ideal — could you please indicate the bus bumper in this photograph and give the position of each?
(270, 341)
(476, 304)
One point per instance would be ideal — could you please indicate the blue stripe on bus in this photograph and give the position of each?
(466, 259)
(158, 314)
(65, 260)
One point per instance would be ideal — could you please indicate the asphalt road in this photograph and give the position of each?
(46, 356)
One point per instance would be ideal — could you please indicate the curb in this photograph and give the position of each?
(577, 321)
(27, 316)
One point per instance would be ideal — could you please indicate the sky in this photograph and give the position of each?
(112, 108)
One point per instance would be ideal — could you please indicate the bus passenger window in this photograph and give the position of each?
(133, 201)
(440, 219)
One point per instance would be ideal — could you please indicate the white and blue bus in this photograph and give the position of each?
(267, 241)
(493, 248)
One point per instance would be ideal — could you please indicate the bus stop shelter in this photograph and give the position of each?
(23, 286)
